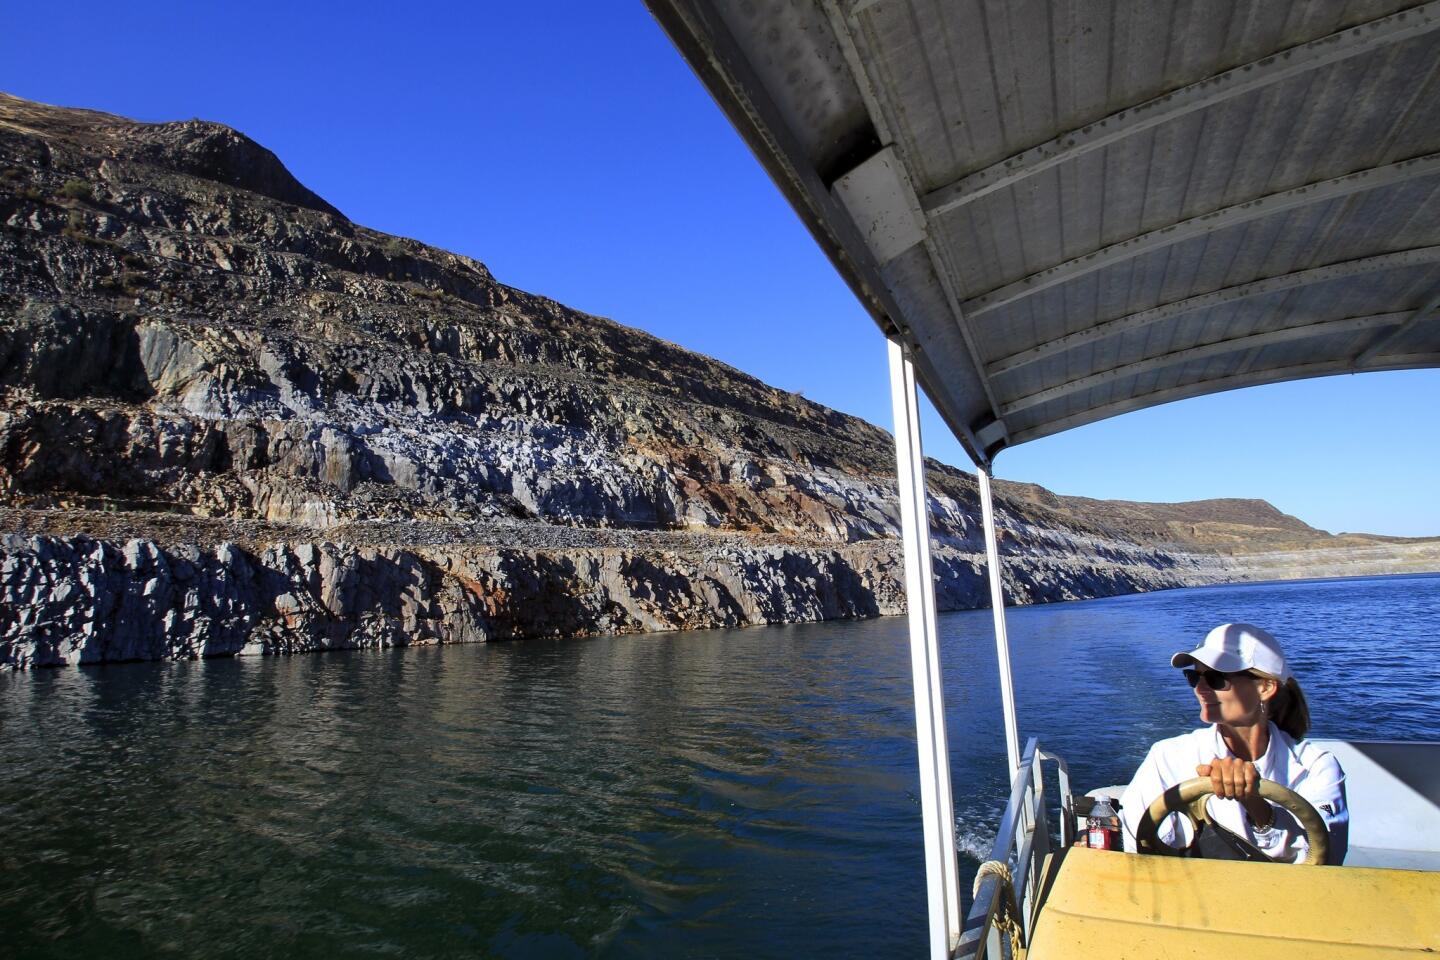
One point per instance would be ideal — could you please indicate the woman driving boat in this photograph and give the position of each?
(1257, 719)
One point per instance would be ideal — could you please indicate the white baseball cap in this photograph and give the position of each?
(1235, 647)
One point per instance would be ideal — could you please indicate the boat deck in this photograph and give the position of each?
(1394, 794)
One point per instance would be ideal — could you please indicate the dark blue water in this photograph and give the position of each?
(724, 793)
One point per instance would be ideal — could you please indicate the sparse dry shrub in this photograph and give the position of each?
(76, 189)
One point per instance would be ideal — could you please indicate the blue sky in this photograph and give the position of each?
(568, 147)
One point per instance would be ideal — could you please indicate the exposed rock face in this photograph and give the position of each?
(234, 422)
(81, 600)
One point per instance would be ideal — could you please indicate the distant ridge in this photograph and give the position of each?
(1231, 524)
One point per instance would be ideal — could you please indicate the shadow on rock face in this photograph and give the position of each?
(66, 353)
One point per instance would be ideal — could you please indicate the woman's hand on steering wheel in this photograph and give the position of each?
(1231, 778)
(1234, 779)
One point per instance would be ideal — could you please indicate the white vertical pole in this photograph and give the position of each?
(937, 805)
(997, 608)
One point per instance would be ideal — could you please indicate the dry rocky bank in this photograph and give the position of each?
(234, 422)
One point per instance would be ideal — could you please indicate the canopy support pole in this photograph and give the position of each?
(997, 610)
(937, 805)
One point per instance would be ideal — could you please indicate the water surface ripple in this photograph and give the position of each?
(747, 793)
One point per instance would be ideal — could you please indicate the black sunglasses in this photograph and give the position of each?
(1214, 679)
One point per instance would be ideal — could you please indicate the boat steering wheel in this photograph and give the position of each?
(1188, 800)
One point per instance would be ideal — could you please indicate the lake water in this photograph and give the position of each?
(745, 793)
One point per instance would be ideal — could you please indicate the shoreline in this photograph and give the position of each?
(81, 600)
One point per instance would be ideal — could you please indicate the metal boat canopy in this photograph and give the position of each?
(1062, 210)
(1069, 210)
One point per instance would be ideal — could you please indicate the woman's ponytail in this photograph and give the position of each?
(1289, 711)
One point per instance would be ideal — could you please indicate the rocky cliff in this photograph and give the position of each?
(232, 421)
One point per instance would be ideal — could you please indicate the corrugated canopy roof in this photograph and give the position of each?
(1070, 210)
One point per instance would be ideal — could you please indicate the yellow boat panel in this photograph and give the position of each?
(1112, 905)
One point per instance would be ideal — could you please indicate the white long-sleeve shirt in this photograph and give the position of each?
(1303, 767)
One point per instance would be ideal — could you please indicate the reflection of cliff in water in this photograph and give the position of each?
(719, 792)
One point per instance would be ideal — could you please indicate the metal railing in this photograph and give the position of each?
(1003, 914)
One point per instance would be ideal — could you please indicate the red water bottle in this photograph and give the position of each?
(1102, 827)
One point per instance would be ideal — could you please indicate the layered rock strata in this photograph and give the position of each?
(232, 421)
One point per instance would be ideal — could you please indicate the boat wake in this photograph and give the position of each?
(972, 841)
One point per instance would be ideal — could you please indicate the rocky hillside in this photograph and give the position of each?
(232, 421)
